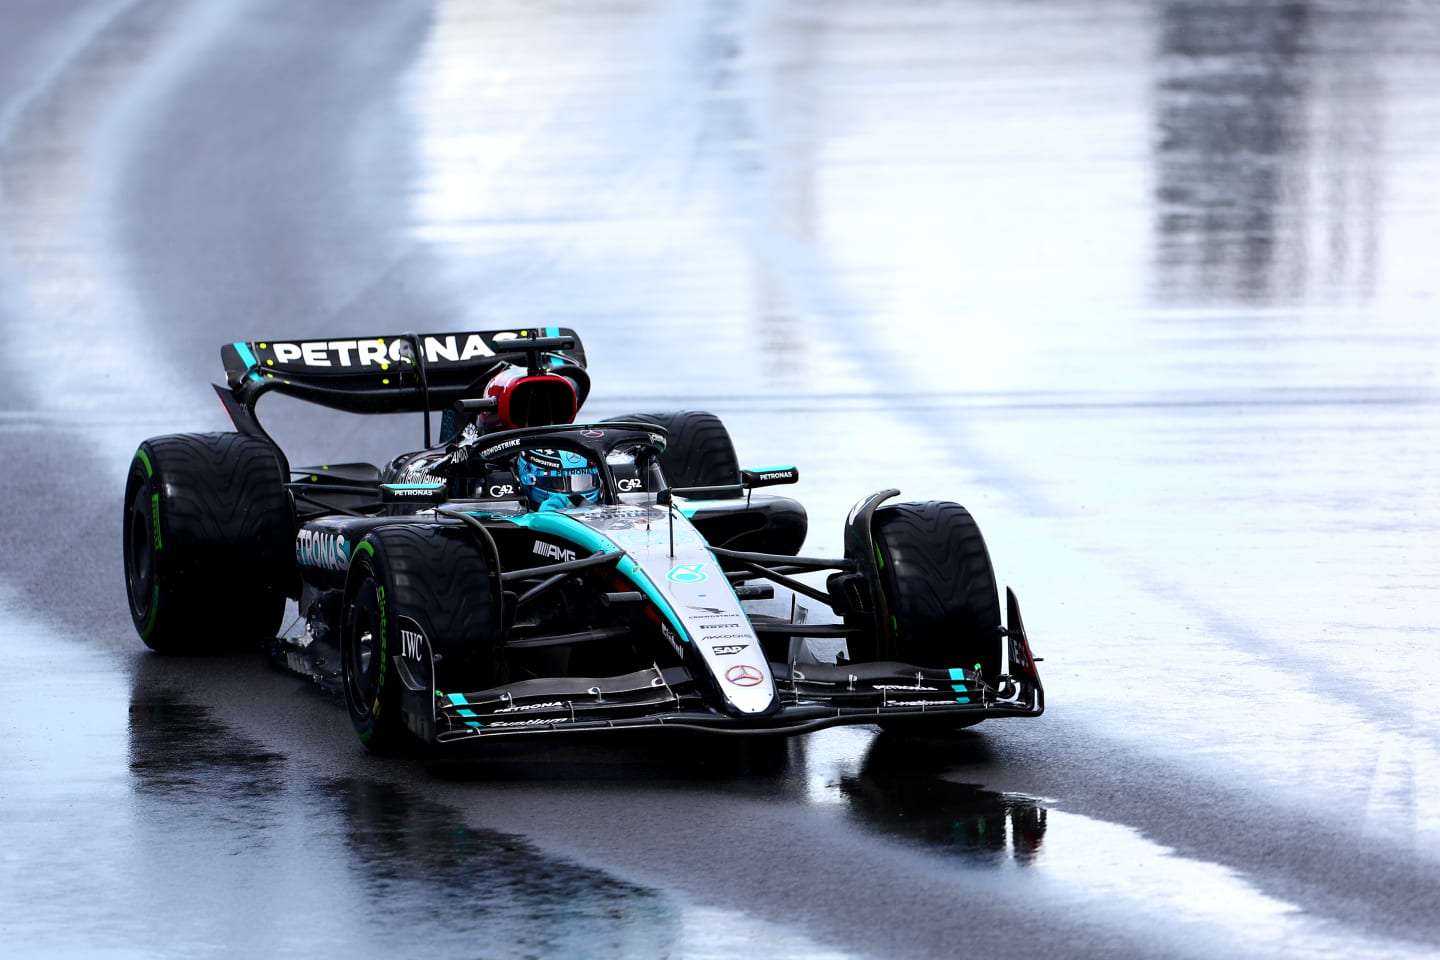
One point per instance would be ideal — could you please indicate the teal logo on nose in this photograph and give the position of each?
(687, 573)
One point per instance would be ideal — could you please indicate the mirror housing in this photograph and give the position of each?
(769, 476)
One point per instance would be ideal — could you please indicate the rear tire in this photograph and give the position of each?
(437, 580)
(699, 451)
(209, 542)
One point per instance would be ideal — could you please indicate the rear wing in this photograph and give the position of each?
(401, 373)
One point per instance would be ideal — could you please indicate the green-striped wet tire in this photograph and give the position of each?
(209, 542)
(939, 585)
(432, 582)
(941, 591)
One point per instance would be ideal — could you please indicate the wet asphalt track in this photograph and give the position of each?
(1149, 287)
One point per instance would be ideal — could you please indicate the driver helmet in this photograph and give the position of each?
(555, 479)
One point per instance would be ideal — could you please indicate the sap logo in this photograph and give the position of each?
(325, 551)
(543, 549)
(379, 353)
(729, 650)
(410, 643)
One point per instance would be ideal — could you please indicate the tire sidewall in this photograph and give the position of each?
(430, 578)
(142, 547)
(371, 687)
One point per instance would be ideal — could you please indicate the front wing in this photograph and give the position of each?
(811, 696)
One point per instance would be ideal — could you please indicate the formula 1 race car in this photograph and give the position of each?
(532, 575)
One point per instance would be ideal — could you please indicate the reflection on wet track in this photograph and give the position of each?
(903, 790)
(426, 867)
(405, 862)
(1148, 286)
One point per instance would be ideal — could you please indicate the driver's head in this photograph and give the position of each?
(552, 479)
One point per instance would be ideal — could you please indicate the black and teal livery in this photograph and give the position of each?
(451, 610)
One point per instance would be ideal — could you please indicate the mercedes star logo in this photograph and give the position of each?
(744, 675)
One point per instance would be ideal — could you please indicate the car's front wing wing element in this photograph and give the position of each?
(811, 697)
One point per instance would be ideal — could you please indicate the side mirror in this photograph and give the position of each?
(769, 476)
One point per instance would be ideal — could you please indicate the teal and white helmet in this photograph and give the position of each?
(550, 479)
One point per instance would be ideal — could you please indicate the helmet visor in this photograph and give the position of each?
(569, 481)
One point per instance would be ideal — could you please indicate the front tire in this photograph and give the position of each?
(420, 612)
(940, 586)
(941, 591)
(209, 542)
